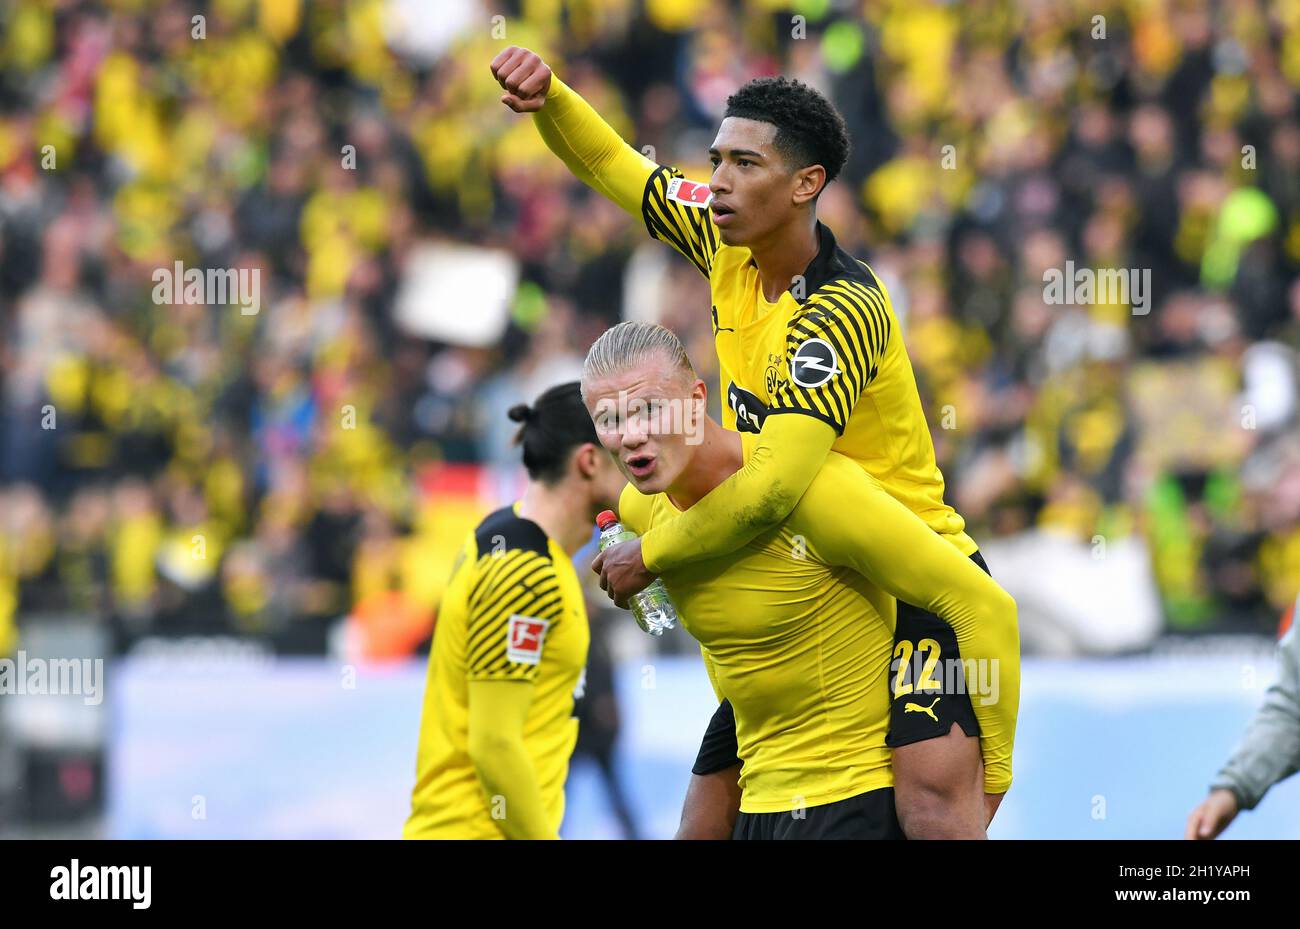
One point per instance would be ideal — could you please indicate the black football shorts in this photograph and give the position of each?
(719, 747)
(927, 682)
(867, 816)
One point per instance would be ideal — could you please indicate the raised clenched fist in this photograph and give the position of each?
(524, 77)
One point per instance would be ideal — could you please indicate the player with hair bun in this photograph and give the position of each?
(498, 725)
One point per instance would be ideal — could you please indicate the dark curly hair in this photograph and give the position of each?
(809, 130)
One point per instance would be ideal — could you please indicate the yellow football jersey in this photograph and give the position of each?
(830, 348)
(512, 611)
(801, 648)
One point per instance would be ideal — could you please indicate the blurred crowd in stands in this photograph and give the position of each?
(188, 468)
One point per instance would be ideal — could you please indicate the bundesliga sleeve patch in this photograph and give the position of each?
(690, 193)
(524, 638)
(814, 363)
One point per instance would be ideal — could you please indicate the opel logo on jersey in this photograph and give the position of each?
(750, 411)
(814, 363)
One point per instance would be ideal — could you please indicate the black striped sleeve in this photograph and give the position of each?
(512, 608)
(676, 211)
(833, 351)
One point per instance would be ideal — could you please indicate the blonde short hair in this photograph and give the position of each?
(628, 344)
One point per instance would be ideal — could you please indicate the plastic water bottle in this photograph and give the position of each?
(653, 609)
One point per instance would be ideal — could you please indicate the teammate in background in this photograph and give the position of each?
(800, 327)
(599, 722)
(796, 627)
(498, 724)
(1269, 752)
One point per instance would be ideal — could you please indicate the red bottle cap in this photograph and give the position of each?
(605, 519)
